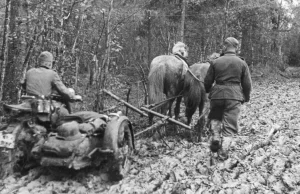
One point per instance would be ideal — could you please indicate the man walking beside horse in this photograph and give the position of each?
(232, 88)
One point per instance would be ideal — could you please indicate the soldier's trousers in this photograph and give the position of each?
(226, 111)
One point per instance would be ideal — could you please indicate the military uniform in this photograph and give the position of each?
(42, 81)
(232, 87)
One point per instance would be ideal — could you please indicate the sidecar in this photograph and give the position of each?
(76, 141)
(79, 143)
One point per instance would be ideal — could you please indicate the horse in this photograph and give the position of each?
(194, 92)
(165, 78)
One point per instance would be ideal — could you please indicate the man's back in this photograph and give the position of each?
(39, 81)
(232, 88)
(229, 69)
(232, 77)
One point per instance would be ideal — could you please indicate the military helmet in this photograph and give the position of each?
(69, 131)
(45, 59)
(232, 41)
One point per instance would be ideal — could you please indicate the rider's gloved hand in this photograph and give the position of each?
(77, 98)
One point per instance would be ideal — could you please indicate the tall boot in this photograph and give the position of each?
(215, 128)
(223, 152)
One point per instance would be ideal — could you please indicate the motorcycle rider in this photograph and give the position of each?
(42, 81)
(232, 88)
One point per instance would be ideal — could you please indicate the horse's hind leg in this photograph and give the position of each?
(150, 116)
(177, 107)
(170, 107)
(189, 112)
(201, 122)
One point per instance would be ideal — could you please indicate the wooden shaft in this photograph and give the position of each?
(168, 118)
(159, 104)
(154, 126)
(147, 110)
(125, 103)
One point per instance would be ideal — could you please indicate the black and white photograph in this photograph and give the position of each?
(150, 96)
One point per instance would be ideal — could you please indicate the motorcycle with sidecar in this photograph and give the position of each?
(37, 132)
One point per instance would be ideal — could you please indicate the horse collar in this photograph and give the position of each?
(181, 58)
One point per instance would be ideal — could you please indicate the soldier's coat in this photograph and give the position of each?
(232, 86)
(42, 81)
(232, 76)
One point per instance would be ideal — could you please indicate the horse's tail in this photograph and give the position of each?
(193, 93)
(156, 84)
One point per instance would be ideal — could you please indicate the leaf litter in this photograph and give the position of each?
(265, 157)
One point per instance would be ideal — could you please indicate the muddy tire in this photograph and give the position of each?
(125, 147)
(121, 162)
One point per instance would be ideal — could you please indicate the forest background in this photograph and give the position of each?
(110, 43)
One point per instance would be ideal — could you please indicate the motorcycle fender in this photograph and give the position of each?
(111, 133)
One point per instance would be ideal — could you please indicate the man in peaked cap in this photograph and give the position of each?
(43, 81)
(232, 88)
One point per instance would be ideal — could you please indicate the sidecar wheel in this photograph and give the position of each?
(121, 164)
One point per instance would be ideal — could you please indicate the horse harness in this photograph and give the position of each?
(186, 68)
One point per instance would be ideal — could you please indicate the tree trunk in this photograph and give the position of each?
(103, 71)
(10, 91)
(106, 60)
(182, 21)
(77, 58)
(246, 46)
(26, 60)
(225, 19)
(149, 36)
(4, 49)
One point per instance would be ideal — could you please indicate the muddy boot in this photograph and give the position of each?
(215, 128)
(223, 152)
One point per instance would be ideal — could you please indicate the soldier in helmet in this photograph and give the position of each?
(43, 81)
(232, 88)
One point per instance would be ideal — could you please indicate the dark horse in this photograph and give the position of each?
(194, 91)
(166, 77)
